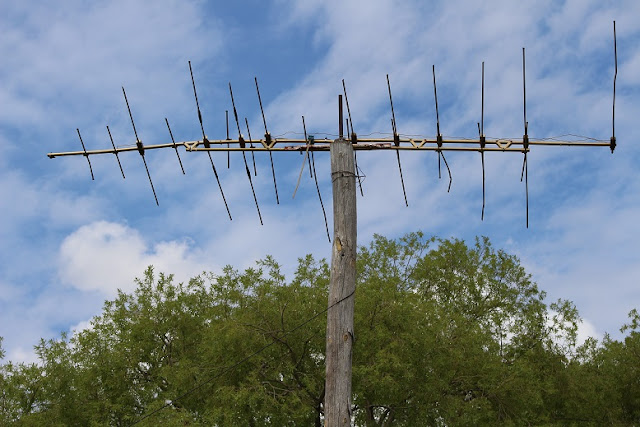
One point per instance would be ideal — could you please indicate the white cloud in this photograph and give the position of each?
(107, 256)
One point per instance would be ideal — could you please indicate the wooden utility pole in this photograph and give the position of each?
(337, 403)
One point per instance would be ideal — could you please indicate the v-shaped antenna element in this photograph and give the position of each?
(174, 145)
(615, 76)
(439, 137)
(354, 138)
(85, 154)
(396, 140)
(525, 139)
(482, 140)
(140, 146)
(206, 143)
(115, 151)
(267, 139)
(244, 156)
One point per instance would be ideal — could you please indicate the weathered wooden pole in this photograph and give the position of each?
(337, 400)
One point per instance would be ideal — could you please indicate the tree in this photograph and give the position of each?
(445, 334)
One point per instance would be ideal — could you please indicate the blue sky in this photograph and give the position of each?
(68, 243)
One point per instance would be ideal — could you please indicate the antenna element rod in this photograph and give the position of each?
(115, 151)
(615, 76)
(174, 145)
(85, 154)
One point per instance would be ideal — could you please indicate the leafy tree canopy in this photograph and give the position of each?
(445, 334)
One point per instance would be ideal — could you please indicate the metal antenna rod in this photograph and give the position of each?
(396, 141)
(615, 76)
(267, 137)
(482, 142)
(264, 121)
(253, 157)
(235, 112)
(483, 179)
(140, 147)
(85, 154)
(482, 113)
(344, 88)
(340, 132)
(226, 113)
(115, 151)
(150, 182)
(524, 92)
(354, 137)
(240, 138)
(315, 176)
(206, 143)
(195, 94)
(525, 138)
(439, 137)
(435, 94)
(130, 115)
(174, 145)
(255, 199)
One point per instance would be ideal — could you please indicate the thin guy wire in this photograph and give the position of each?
(306, 156)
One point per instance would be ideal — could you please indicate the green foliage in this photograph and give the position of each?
(445, 334)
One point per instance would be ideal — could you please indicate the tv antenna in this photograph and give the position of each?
(344, 174)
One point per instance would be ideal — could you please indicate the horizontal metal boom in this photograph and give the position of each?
(286, 144)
